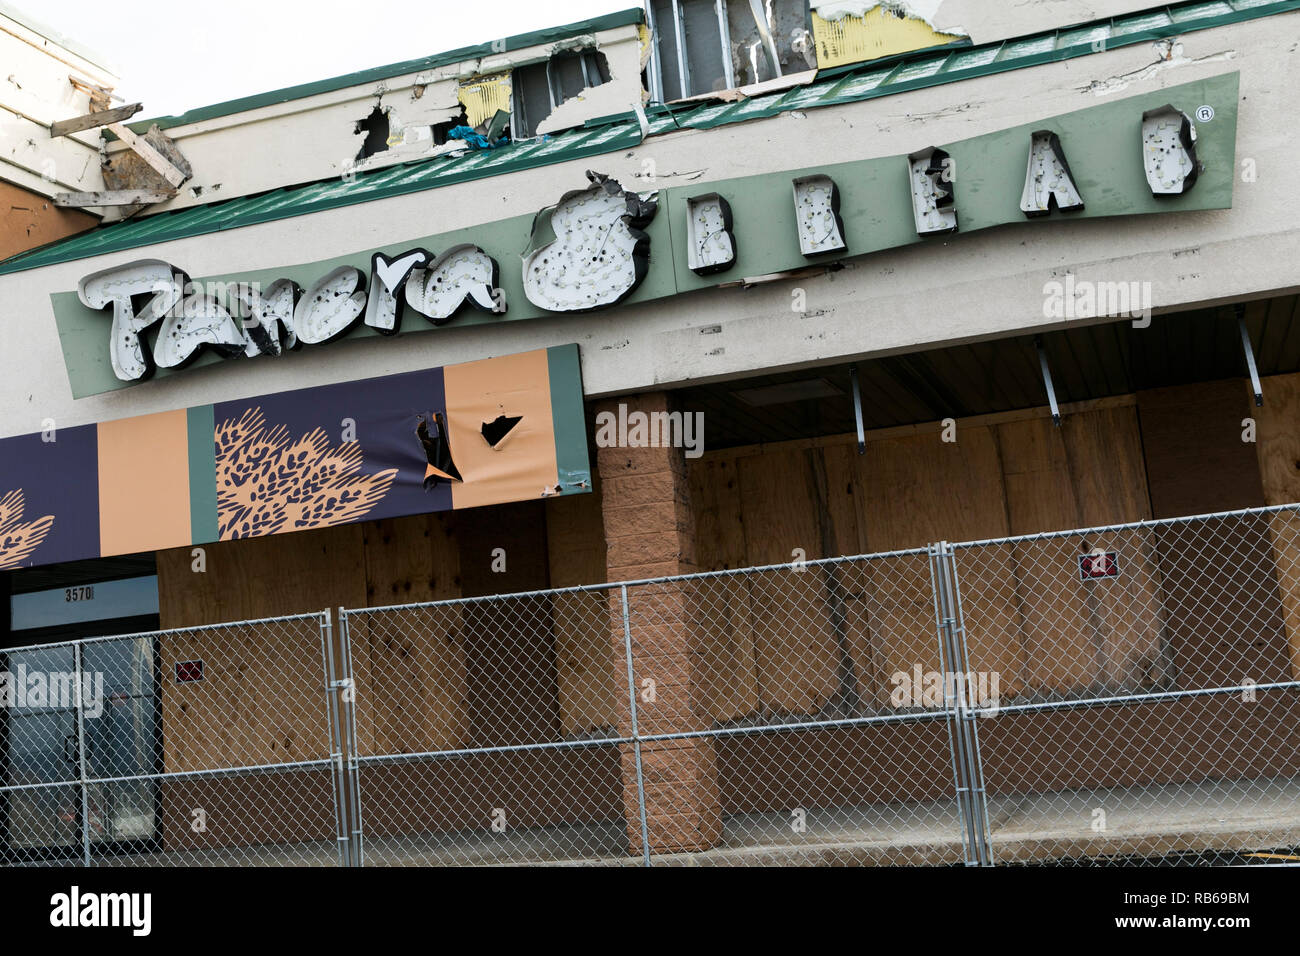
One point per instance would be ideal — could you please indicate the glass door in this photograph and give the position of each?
(41, 809)
(40, 817)
(122, 741)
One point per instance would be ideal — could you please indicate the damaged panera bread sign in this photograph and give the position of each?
(602, 244)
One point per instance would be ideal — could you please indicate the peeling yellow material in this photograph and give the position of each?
(482, 96)
(879, 33)
(643, 35)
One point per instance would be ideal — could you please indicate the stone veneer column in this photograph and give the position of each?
(650, 532)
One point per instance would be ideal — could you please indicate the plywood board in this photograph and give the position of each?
(509, 644)
(587, 670)
(797, 665)
(920, 490)
(1278, 450)
(1196, 461)
(1061, 652)
(727, 667)
(262, 697)
(1082, 634)
(409, 666)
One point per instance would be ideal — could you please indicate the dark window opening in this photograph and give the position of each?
(538, 88)
(440, 130)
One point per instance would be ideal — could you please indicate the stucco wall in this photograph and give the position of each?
(969, 287)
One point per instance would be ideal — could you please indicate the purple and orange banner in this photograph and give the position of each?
(487, 432)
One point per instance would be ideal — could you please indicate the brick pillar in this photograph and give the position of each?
(650, 532)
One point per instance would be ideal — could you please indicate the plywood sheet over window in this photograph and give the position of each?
(587, 665)
(1278, 449)
(1080, 633)
(921, 489)
(1028, 613)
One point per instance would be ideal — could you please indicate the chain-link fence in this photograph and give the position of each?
(197, 746)
(1147, 707)
(1126, 694)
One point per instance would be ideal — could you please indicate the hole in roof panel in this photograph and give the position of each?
(1201, 11)
(971, 59)
(1138, 24)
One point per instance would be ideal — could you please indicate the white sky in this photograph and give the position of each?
(175, 55)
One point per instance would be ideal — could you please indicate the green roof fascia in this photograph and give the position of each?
(620, 131)
(606, 21)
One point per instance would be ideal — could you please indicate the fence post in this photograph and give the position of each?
(968, 764)
(963, 735)
(350, 742)
(636, 736)
(332, 686)
(81, 754)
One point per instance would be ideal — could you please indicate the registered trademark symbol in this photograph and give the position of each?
(1204, 113)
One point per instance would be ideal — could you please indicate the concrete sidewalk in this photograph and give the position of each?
(1139, 823)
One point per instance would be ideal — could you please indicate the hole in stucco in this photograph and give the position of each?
(375, 127)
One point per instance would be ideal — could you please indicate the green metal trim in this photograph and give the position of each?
(200, 425)
(568, 418)
(613, 133)
(258, 100)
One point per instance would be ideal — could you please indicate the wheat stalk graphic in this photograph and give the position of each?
(268, 482)
(19, 538)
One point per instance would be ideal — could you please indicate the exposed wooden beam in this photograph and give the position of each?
(91, 120)
(155, 159)
(121, 197)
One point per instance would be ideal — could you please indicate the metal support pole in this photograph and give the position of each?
(724, 33)
(636, 738)
(332, 686)
(683, 71)
(857, 409)
(1047, 380)
(349, 726)
(1246, 347)
(654, 66)
(963, 736)
(81, 754)
(979, 795)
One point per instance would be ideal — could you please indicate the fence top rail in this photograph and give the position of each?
(1129, 526)
(817, 562)
(318, 616)
(639, 582)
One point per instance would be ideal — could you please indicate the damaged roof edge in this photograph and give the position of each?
(621, 131)
(608, 21)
